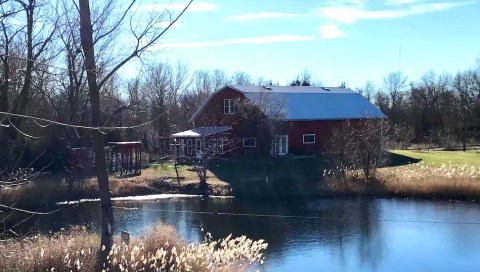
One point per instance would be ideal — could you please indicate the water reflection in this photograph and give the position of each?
(328, 235)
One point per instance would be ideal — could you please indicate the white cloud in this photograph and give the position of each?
(331, 31)
(165, 24)
(350, 15)
(400, 2)
(264, 15)
(253, 40)
(194, 7)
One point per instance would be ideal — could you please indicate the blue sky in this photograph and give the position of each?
(345, 40)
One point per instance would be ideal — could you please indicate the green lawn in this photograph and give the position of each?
(470, 158)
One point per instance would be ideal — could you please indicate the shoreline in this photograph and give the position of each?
(413, 181)
(54, 189)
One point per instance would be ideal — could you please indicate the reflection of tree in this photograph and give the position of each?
(370, 244)
(349, 229)
(341, 226)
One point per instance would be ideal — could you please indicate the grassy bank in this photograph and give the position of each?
(161, 249)
(439, 158)
(420, 174)
(424, 174)
(158, 179)
(433, 175)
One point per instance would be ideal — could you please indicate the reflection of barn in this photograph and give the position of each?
(123, 159)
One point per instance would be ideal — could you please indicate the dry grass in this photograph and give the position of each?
(423, 180)
(154, 180)
(158, 250)
(429, 180)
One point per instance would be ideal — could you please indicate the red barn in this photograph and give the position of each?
(278, 119)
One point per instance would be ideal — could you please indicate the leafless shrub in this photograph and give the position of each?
(359, 144)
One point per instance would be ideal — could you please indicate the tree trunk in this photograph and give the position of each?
(97, 136)
(25, 93)
(176, 171)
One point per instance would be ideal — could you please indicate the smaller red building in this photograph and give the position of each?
(279, 120)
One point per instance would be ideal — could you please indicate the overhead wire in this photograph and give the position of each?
(46, 64)
(100, 128)
(293, 216)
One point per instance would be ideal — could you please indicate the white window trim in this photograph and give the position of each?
(227, 108)
(314, 138)
(277, 150)
(254, 139)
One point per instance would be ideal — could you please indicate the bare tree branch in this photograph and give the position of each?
(139, 49)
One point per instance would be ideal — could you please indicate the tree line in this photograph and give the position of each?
(43, 74)
(438, 109)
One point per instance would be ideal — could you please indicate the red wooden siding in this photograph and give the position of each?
(213, 115)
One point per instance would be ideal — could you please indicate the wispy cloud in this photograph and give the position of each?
(253, 40)
(331, 31)
(352, 14)
(265, 15)
(194, 7)
(165, 24)
(400, 2)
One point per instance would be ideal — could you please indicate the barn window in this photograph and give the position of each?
(249, 142)
(189, 146)
(308, 138)
(229, 106)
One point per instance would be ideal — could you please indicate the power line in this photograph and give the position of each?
(295, 216)
(78, 126)
(46, 64)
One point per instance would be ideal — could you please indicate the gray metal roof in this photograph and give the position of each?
(288, 89)
(307, 102)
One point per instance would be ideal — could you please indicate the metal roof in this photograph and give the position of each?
(289, 89)
(306, 102)
(201, 132)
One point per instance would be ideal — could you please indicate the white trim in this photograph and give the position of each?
(311, 134)
(189, 146)
(280, 145)
(254, 139)
(229, 106)
(198, 148)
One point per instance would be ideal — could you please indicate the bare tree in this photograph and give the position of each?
(264, 113)
(213, 146)
(368, 90)
(460, 117)
(340, 147)
(304, 79)
(37, 35)
(360, 144)
(143, 39)
(241, 78)
(395, 84)
(219, 79)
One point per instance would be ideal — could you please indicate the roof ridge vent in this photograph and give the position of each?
(267, 87)
(325, 88)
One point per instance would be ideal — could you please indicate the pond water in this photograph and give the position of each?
(355, 234)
